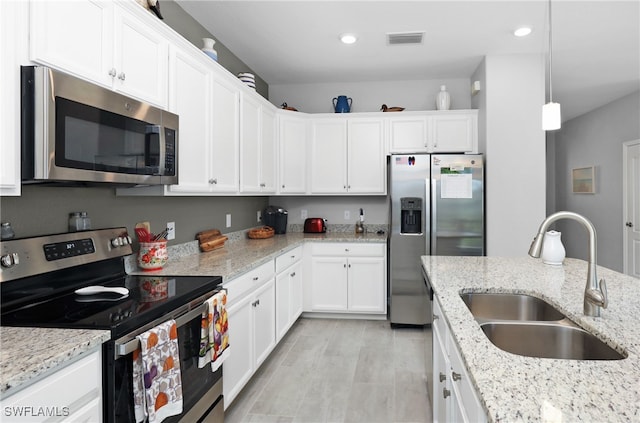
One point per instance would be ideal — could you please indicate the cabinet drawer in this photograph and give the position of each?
(287, 259)
(247, 282)
(344, 249)
(438, 319)
(67, 390)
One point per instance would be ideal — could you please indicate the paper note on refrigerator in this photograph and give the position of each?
(456, 185)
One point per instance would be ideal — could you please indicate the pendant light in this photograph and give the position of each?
(551, 111)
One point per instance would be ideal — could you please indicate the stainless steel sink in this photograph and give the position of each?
(549, 340)
(494, 306)
(525, 325)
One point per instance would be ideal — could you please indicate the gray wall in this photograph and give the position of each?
(45, 209)
(595, 139)
(189, 28)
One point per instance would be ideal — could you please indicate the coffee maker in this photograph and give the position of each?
(276, 217)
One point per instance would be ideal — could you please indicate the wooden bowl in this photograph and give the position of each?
(261, 233)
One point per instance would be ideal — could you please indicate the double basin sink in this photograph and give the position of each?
(526, 325)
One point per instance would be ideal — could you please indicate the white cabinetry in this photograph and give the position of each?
(348, 156)
(13, 36)
(74, 392)
(348, 277)
(454, 398)
(257, 145)
(251, 309)
(451, 131)
(105, 42)
(288, 290)
(292, 153)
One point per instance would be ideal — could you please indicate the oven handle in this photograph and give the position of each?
(130, 346)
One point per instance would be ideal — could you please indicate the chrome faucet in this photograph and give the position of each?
(595, 293)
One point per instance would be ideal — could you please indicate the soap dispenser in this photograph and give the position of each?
(360, 223)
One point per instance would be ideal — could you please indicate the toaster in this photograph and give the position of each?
(315, 225)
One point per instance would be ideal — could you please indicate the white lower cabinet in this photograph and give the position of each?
(454, 398)
(71, 394)
(288, 290)
(348, 277)
(251, 309)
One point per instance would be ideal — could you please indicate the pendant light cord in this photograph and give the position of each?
(550, 58)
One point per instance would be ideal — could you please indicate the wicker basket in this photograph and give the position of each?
(261, 233)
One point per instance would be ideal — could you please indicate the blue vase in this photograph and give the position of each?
(342, 104)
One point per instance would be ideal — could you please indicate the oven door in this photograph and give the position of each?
(201, 388)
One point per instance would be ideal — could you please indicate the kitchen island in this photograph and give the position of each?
(517, 388)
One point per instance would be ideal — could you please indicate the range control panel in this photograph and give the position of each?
(60, 250)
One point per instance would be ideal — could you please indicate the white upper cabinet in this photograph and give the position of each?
(450, 131)
(292, 153)
(225, 121)
(257, 146)
(347, 156)
(102, 42)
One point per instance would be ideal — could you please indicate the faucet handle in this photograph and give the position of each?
(603, 289)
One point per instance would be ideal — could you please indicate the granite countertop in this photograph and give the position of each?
(241, 254)
(517, 388)
(26, 354)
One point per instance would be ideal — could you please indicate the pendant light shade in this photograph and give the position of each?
(551, 118)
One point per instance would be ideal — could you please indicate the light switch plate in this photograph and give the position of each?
(228, 220)
(347, 215)
(303, 214)
(171, 227)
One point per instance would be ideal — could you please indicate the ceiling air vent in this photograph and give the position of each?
(403, 38)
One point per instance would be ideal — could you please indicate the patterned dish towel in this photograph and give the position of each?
(157, 385)
(214, 334)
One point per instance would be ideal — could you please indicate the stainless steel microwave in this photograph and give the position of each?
(75, 131)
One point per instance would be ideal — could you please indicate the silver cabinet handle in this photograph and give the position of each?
(629, 224)
(293, 274)
(112, 72)
(213, 181)
(436, 317)
(456, 376)
(282, 185)
(443, 377)
(446, 392)
(255, 278)
(122, 76)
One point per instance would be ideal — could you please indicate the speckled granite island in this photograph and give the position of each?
(517, 388)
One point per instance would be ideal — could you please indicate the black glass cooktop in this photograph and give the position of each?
(150, 297)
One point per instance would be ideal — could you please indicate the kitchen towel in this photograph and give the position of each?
(214, 333)
(157, 384)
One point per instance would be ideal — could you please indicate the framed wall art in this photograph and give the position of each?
(583, 180)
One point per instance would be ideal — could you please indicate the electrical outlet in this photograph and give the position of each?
(303, 214)
(259, 216)
(228, 220)
(171, 228)
(347, 215)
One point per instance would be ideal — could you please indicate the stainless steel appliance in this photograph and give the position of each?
(39, 277)
(75, 131)
(437, 208)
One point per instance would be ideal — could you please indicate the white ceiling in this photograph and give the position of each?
(596, 44)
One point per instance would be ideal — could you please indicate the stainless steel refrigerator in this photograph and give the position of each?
(437, 208)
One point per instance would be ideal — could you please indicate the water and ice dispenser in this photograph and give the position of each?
(410, 215)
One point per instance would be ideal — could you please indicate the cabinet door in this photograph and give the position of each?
(367, 161)
(292, 155)
(268, 151)
(367, 284)
(225, 127)
(141, 56)
(329, 156)
(441, 389)
(238, 367)
(190, 98)
(408, 134)
(295, 292)
(250, 155)
(329, 284)
(76, 37)
(454, 132)
(264, 322)
(283, 301)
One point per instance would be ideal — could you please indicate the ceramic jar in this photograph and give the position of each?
(208, 48)
(152, 255)
(553, 251)
(443, 99)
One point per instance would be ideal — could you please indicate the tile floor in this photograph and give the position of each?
(327, 370)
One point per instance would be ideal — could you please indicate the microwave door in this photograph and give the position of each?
(154, 150)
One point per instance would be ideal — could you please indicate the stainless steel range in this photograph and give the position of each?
(39, 280)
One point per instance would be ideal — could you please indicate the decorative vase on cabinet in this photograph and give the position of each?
(208, 48)
(443, 99)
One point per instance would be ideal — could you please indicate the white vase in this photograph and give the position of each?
(208, 48)
(552, 249)
(443, 99)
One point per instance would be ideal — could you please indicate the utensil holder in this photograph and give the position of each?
(152, 255)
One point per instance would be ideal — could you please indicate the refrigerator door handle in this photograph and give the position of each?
(432, 237)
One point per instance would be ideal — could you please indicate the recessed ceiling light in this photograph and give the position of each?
(348, 38)
(522, 31)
